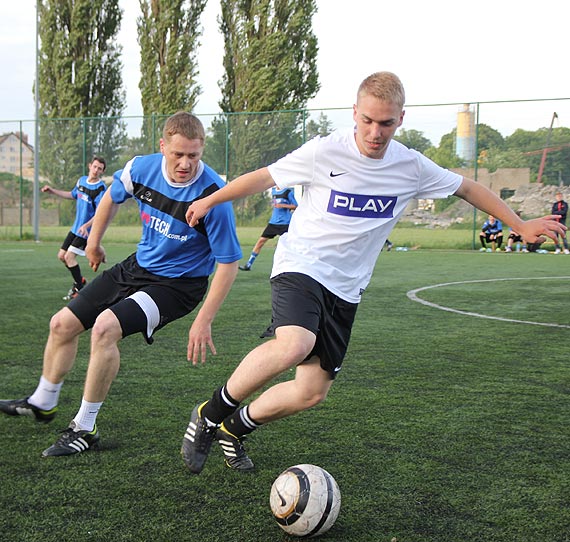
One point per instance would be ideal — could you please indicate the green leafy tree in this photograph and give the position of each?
(413, 139)
(445, 154)
(79, 84)
(322, 126)
(270, 54)
(528, 147)
(489, 138)
(168, 35)
(215, 151)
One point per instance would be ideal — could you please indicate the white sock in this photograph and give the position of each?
(46, 395)
(86, 415)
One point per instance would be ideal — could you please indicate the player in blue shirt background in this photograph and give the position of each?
(165, 279)
(87, 192)
(491, 232)
(283, 203)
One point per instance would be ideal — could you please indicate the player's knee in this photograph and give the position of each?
(313, 397)
(63, 323)
(106, 328)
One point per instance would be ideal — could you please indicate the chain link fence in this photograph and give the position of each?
(508, 145)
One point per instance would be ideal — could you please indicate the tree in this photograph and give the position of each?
(168, 35)
(413, 139)
(215, 150)
(79, 83)
(445, 154)
(270, 55)
(489, 138)
(323, 127)
(529, 147)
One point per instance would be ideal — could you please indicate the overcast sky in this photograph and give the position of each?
(444, 51)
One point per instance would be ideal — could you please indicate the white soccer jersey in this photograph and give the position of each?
(350, 204)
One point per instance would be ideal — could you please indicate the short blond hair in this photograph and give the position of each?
(385, 86)
(186, 125)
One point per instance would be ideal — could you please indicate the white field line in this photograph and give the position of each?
(413, 295)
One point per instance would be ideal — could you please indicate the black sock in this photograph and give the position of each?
(240, 423)
(221, 405)
(76, 274)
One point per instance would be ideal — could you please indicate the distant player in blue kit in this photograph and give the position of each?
(88, 192)
(165, 279)
(283, 203)
(357, 183)
(491, 232)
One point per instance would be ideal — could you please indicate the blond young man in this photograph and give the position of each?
(357, 184)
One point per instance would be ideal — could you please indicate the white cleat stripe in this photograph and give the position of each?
(24, 411)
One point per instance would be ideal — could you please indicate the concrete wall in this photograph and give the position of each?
(503, 178)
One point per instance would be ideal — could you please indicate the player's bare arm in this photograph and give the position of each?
(56, 192)
(533, 231)
(242, 186)
(200, 334)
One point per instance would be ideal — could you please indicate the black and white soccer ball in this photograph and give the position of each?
(305, 500)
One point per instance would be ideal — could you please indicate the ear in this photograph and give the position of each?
(402, 118)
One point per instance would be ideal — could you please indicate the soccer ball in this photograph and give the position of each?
(305, 500)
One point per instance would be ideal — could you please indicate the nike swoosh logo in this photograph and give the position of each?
(332, 174)
(283, 501)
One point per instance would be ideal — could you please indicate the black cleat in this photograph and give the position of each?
(245, 267)
(69, 294)
(73, 441)
(74, 290)
(234, 452)
(197, 440)
(21, 407)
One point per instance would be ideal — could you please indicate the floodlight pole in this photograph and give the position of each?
(36, 217)
(545, 150)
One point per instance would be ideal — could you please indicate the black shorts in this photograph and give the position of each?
(273, 230)
(74, 243)
(487, 236)
(141, 301)
(515, 237)
(299, 300)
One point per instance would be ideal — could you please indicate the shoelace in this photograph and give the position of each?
(208, 432)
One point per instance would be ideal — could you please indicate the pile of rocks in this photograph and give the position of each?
(532, 200)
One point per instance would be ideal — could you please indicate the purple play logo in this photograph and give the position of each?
(361, 205)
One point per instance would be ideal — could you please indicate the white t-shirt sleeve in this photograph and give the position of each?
(297, 167)
(436, 182)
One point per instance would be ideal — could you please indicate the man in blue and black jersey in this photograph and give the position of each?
(165, 279)
(87, 192)
(283, 203)
(491, 232)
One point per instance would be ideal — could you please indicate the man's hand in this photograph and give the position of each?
(83, 230)
(196, 211)
(95, 255)
(534, 231)
(199, 340)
